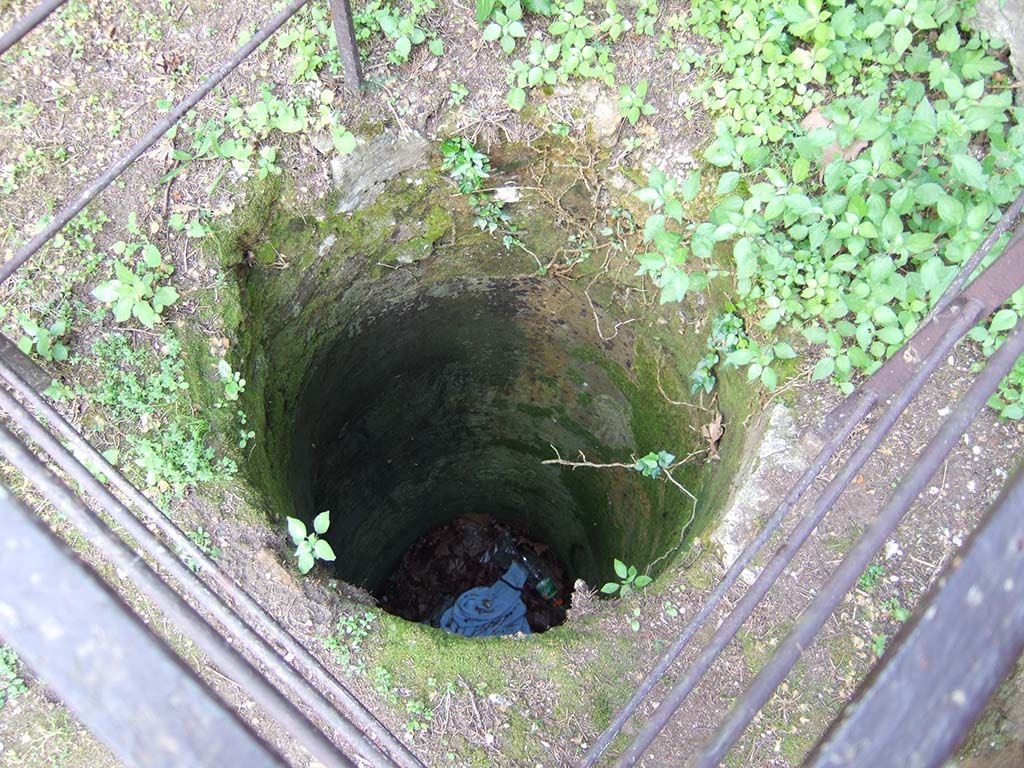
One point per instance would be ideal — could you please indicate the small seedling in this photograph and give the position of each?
(629, 580)
(234, 384)
(652, 464)
(896, 609)
(309, 547)
(871, 576)
(133, 293)
(11, 684)
(632, 104)
(44, 341)
(878, 643)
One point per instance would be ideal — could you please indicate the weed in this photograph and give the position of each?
(895, 609)
(632, 104)
(652, 465)
(347, 641)
(629, 580)
(309, 547)
(202, 539)
(871, 576)
(506, 26)
(458, 93)
(852, 216)
(11, 683)
(134, 293)
(878, 643)
(44, 341)
(144, 400)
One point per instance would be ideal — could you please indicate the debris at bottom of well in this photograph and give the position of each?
(474, 551)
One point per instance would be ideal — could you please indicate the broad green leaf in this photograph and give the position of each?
(620, 568)
(516, 98)
(769, 378)
(610, 588)
(727, 183)
(902, 40)
(691, 187)
(483, 10)
(296, 529)
(306, 562)
(106, 292)
(323, 551)
(322, 522)
(491, 32)
(145, 313)
(825, 367)
(164, 297)
(1003, 320)
(642, 581)
(784, 351)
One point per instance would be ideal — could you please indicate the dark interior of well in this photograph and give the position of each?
(423, 427)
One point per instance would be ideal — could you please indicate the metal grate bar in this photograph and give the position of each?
(28, 22)
(853, 565)
(150, 584)
(120, 678)
(154, 134)
(963, 320)
(942, 656)
(252, 613)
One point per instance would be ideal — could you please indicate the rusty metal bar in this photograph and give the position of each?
(345, 35)
(154, 134)
(150, 584)
(853, 565)
(894, 373)
(122, 680)
(963, 316)
(960, 644)
(653, 677)
(28, 22)
(253, 614)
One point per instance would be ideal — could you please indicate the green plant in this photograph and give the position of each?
(652, 464)
(347, 641)
(895, 609)
(871, 576)
(404, 29)
(878, 643)
(629, 580)
(135, 293)
(234, 384)
(309, 547)
(144, 399)
(202, 539)
(507, 26)
(44, 341)
(632, 104)
(458, 93)
(11, 683)
(865, 148)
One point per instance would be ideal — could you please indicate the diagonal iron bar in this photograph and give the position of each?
(150, 584)
(853, 565)
(942, 656)
(964, 318)
(154, 134)
(253, 614)
(28, 22)
(119, 678)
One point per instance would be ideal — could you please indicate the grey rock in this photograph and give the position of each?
(362, 175)
(1004, 19)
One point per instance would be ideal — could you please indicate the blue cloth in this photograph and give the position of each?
(490, 611)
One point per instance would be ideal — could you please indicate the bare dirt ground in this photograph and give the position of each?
(84, 86)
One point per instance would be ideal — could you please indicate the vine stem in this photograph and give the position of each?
(574, 465)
